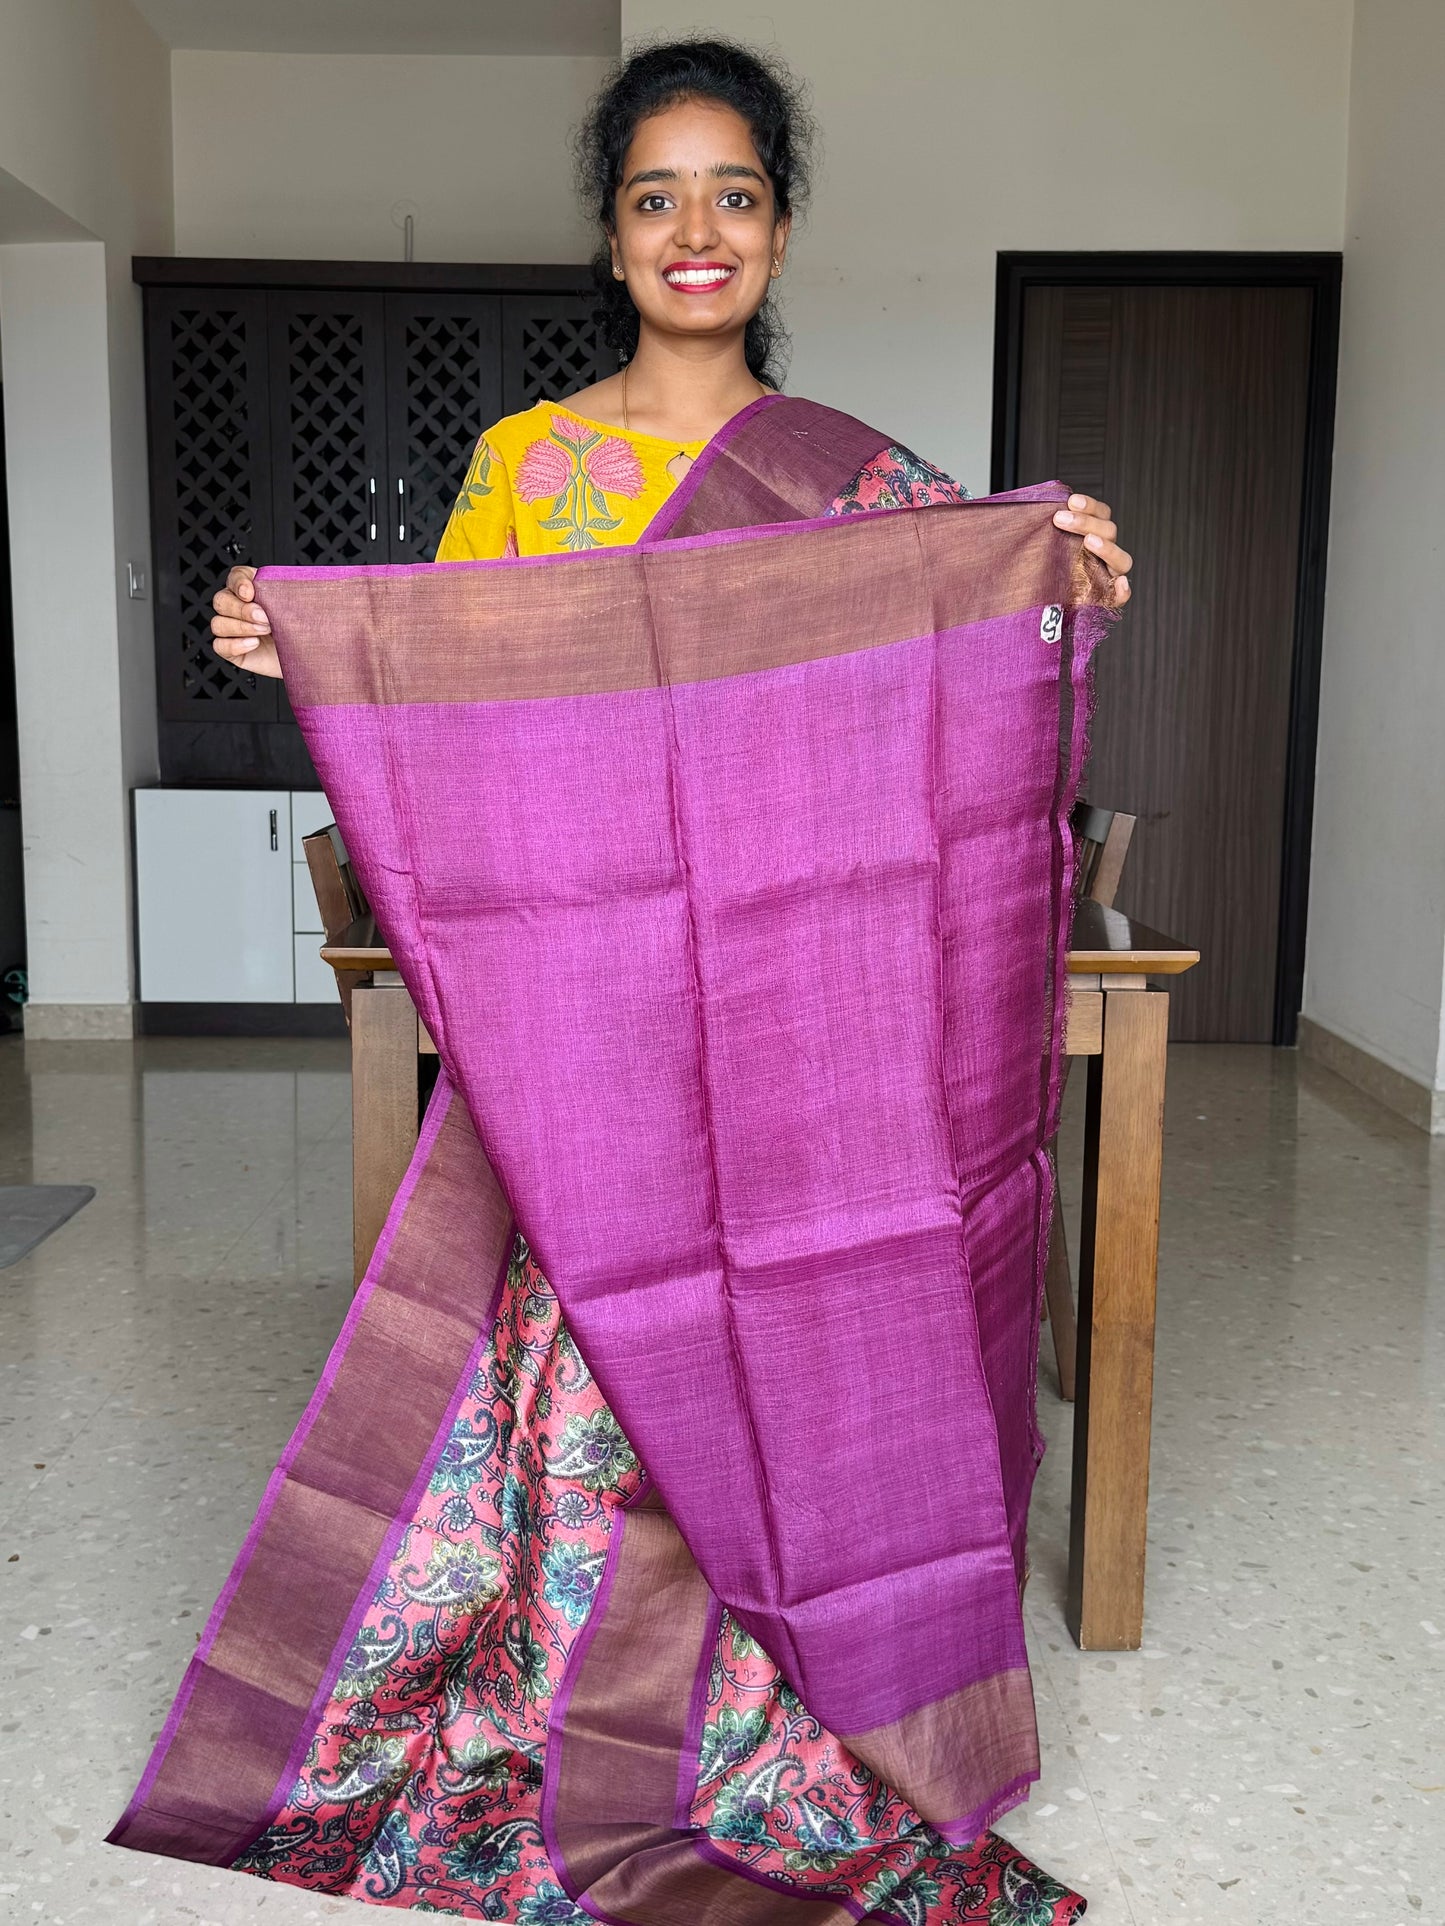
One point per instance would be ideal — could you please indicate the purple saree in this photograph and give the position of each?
(750, 1019)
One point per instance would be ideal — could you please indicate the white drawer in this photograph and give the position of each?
(213, 895)
(305, 911)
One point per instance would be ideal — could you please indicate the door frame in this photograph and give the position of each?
(1320, 273)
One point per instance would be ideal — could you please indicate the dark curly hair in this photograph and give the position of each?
(660, 75)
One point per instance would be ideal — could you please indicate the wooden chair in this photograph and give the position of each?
(1102, 838)
(393, 1060)
(339, 897)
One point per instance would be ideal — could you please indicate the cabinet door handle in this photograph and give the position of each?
(275, 837)
(371, 504)
(401, 508)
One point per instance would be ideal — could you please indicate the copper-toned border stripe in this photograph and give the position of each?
(346, 1486)
(620, 1723)
(687, 1883)
(624, 1726)
(781, 460)
(735, 603)
(961, 1754)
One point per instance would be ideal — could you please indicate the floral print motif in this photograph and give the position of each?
(478, 484)
(579, 466)
(423, 1784)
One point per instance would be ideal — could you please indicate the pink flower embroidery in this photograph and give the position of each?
(614, 467)
(577, 467)
(545, 469)
(568, 428)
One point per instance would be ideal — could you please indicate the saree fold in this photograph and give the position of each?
(750, 1019)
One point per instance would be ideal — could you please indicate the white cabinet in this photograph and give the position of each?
(315, 980)
(224, 901)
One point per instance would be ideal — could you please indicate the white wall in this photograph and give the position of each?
(85, 130)
(1377, 907)
(323, 148)
(68, 692)
(955, 128)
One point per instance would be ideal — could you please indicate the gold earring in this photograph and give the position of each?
(617, 271)
(777, 265)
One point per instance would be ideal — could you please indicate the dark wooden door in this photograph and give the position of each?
(443, 387)
(323, 425)
(210, 471)
(328, 433)
(1187, 408)
(550, 347)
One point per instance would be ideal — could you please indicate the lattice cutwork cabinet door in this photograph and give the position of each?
(328, 428)
(210, 488)
(443, 387)
(550, 346)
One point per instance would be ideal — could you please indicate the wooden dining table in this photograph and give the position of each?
(1117, 1018)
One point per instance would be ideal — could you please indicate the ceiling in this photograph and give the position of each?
(389, 26)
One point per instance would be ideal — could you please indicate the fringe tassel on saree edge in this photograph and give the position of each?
(334, 1509)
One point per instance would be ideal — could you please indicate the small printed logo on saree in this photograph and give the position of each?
(1051, 623)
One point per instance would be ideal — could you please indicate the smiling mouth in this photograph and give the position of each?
(699, 279)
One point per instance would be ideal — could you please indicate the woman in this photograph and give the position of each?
(692, 160)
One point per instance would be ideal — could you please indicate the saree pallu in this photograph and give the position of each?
(750, 1019)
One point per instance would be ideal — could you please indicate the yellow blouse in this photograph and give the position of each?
(548, 479)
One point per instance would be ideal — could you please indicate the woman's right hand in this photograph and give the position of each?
(240, 631)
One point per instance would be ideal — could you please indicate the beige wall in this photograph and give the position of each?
(325, 147)
(952, 128)
(85, 134)
(1377, 906)
(955, 128)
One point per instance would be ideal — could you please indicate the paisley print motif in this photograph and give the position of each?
(897, 479)
(423, 1786)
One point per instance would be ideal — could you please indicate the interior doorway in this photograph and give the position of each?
(1196, 394)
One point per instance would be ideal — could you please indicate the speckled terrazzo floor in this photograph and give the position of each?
(1275, 1756)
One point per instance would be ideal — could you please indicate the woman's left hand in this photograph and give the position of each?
(1095, 522)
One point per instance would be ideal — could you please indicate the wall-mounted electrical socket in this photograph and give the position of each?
(135, 582)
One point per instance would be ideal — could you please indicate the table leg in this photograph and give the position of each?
(384, 1121)
(1118, 1262)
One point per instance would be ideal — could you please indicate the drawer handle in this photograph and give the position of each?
(275, 837)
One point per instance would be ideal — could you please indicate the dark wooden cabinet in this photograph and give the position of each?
(320, 414)
(210, 465)
(445, 359)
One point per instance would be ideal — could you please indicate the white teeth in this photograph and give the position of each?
(697, 277)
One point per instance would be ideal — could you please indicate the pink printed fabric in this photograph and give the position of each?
(423, 1787)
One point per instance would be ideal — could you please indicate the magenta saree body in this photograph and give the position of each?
(750, 1018)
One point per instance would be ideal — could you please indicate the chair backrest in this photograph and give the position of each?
(1102, 837)
(339, 897)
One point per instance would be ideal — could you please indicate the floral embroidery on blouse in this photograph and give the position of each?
(478, 484)
(579, 466)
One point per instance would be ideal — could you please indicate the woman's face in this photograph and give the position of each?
(696, 235)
